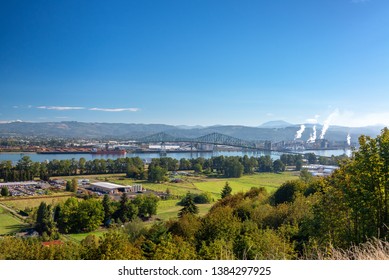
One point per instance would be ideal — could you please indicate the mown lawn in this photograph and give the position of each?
(270, 181)
(179, 189)
(9, 224)
(168, 209)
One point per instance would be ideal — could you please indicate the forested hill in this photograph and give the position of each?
(132, 131)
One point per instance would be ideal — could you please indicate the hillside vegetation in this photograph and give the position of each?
(343, 216)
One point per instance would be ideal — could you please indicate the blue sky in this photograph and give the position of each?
(199, 62)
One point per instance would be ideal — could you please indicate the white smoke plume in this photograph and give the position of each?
(312, 138)
(348, 139)
(327, 122)
(299, 133)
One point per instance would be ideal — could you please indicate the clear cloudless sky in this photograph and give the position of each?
(195, 62)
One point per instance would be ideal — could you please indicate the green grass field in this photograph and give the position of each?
(270, 181)
(81, 236)
(168, 209)
(9, 224)
(179, 189)
(21, 204)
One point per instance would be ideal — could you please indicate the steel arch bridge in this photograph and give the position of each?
(213, 138)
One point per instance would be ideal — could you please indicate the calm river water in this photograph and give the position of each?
(14, 157)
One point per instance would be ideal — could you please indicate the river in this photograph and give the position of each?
(14, 157)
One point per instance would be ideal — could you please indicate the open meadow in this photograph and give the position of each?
(270, 181)
(33, 202)
(199, 184)
(168, 209)
(9, 224)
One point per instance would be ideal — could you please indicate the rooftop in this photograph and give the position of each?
(108, 185)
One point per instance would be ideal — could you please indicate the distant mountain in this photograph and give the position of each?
(276, 124)
(273, 131)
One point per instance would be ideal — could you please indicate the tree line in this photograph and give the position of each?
(224, 166)
(25, 169)
(86, 215)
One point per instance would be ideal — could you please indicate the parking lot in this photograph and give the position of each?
(30, 188)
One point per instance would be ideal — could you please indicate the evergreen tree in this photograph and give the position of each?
(189, 206)
(127, 211)
(68, 186)
(226, 190)
(45, 221)
(107, 210)
(4, 191)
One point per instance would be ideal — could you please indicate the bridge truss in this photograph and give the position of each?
(213, 138)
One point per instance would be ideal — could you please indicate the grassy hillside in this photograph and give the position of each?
(22, 204)
(9, 224)
(270, 181)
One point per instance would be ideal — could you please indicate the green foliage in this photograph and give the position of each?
(218, 249)
(311, 157)
(90, 215)
(353, 204)
(74, 185)
(45, 221)
(68, 186)
(189, 206)
(265, 164)
(156, 174)
(197, 168)
(135, 229)
(278, 166)
(257, 244)
(143, 206)
(174, 248)
(305, 176)
(186, 227)
(146, 204)
(202, 198)
(291, 160)
(219, 223)
(127, 211)
(12, 248)
(135, 168)
(83, 216)
(226, 190)
(4, 191)
(287, 192)
(299, 165)
(108, 210)
(115, 246)
(233, 168)
(249, 164)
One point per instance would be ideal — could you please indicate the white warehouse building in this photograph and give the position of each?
(105, 187)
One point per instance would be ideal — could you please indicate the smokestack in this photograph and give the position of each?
(327, 122)
(348, 139)
(299, 133)
(312, 138)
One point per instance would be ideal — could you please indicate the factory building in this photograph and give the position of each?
(111, 188)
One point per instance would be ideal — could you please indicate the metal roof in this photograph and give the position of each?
(108, 185)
